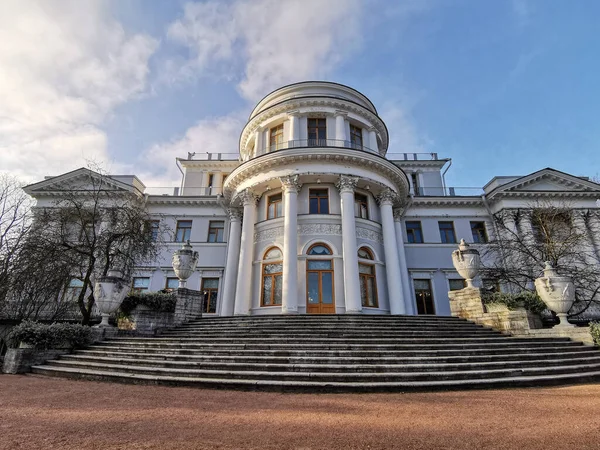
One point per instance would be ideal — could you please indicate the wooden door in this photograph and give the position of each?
(319, 287)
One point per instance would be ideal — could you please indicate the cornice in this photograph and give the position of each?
(182, 200)
(543, 194)
(447, 201)
(324, 102)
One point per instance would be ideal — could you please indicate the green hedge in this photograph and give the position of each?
(595, 332)
(157, 301)
(524, 299)
(46, 336)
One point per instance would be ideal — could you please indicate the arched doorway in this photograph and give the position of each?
(319, 280)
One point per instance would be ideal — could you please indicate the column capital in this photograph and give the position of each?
(387, 197)
(399, 213)
(248, 197)
(339, 112)
(235, 214)
(293, 113)
(290, 183)
(347, 183)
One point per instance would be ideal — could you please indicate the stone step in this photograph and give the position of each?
(334, 332)
(326, 377)
(309, 323)
(386, 358)
(332, 366)
(318, 386)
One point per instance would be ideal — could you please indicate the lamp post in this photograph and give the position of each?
(184, 263)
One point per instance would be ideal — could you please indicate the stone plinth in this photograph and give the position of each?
(20, 360)
(580, 334)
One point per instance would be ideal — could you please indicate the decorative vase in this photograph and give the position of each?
(109, 293)
(184, 263)
(558, 293)
(467, 262)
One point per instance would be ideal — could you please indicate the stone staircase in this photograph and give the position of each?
(333, 353)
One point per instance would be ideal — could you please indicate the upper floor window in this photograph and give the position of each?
(211, 179)
(414, 177)
(274, 206)
(447, 232)
(183, 231)
(318, 200)
(276, 138)
(361, 206)
(317, 131)
(153, 228)
(215, 230)
(479, 233)
(414, 234)
(356, 140)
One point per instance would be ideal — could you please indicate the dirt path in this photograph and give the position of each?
(48, 413)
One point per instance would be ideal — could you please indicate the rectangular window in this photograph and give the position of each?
(356, 137)
(361, 206)
(172, 283)
(141, 283)
(183, 231)
(153, 228)
(318, 200)
(447, 232)
(276, 138)
(215, 230)
(424, 296)
(317, 132)
(479, 233)
(210, 288)
(274, 206)
(415, 182)
(457, 284)
(414, 235)
(211, 179)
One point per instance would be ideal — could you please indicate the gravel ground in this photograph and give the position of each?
(47, 413)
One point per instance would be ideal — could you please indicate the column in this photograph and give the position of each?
(340, 128)
(258, 142)
(231, 265)
(585, 228)
(291, 187)
(294, 129)
(243, 293)
(408, 301)
(352, 298)
(594, 224)
(373, 140)
(392, 261)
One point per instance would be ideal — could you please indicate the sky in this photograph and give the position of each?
(503, 87)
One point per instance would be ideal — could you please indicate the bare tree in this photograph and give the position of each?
(526, 238)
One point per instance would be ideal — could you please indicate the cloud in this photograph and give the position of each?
(64, 67)
(268, 43)
(404, 136)
(523, 11)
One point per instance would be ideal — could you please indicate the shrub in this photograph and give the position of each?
(595, 332)
(524, 299)
(47, 336)
(157, 301)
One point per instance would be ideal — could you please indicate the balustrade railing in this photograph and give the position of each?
(302, 143)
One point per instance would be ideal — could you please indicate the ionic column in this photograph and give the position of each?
(233, 257)
(392, 261)
(586, 229)
(352, 298)
(291, 187)
(410, 307)
(243, 293)
(373, 140)
(340, 126)
(294, 126)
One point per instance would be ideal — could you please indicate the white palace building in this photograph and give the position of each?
(313, 215)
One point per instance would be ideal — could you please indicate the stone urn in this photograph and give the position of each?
(109, 293)
(184, 263)
(558, 293)
(467, 262)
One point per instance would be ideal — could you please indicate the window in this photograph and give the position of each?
(356, 137)
(183, 231)
(424, 297)
(276, 138)
(414, 235)
(478, 231)
(361, 206)
(274, 206)
(457, 284)
(447, 232)
(215, 230)
(75, 283)
(153, 228)
(141, 283)
(366, 273)
(272, 278)
(319, 250)
(415, 182)
(317, 132)
(211, 179)
(172, 283)
(318, 200)
(210, 287)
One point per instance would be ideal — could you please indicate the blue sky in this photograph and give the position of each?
(502, 87)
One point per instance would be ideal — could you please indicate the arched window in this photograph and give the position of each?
(272, 277)
(319, 250)
(368, 282)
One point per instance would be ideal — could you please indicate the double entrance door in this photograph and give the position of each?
(319, 287)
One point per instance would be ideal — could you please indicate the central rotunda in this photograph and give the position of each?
(315, 209)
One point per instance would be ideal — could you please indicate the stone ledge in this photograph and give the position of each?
(580, 334)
